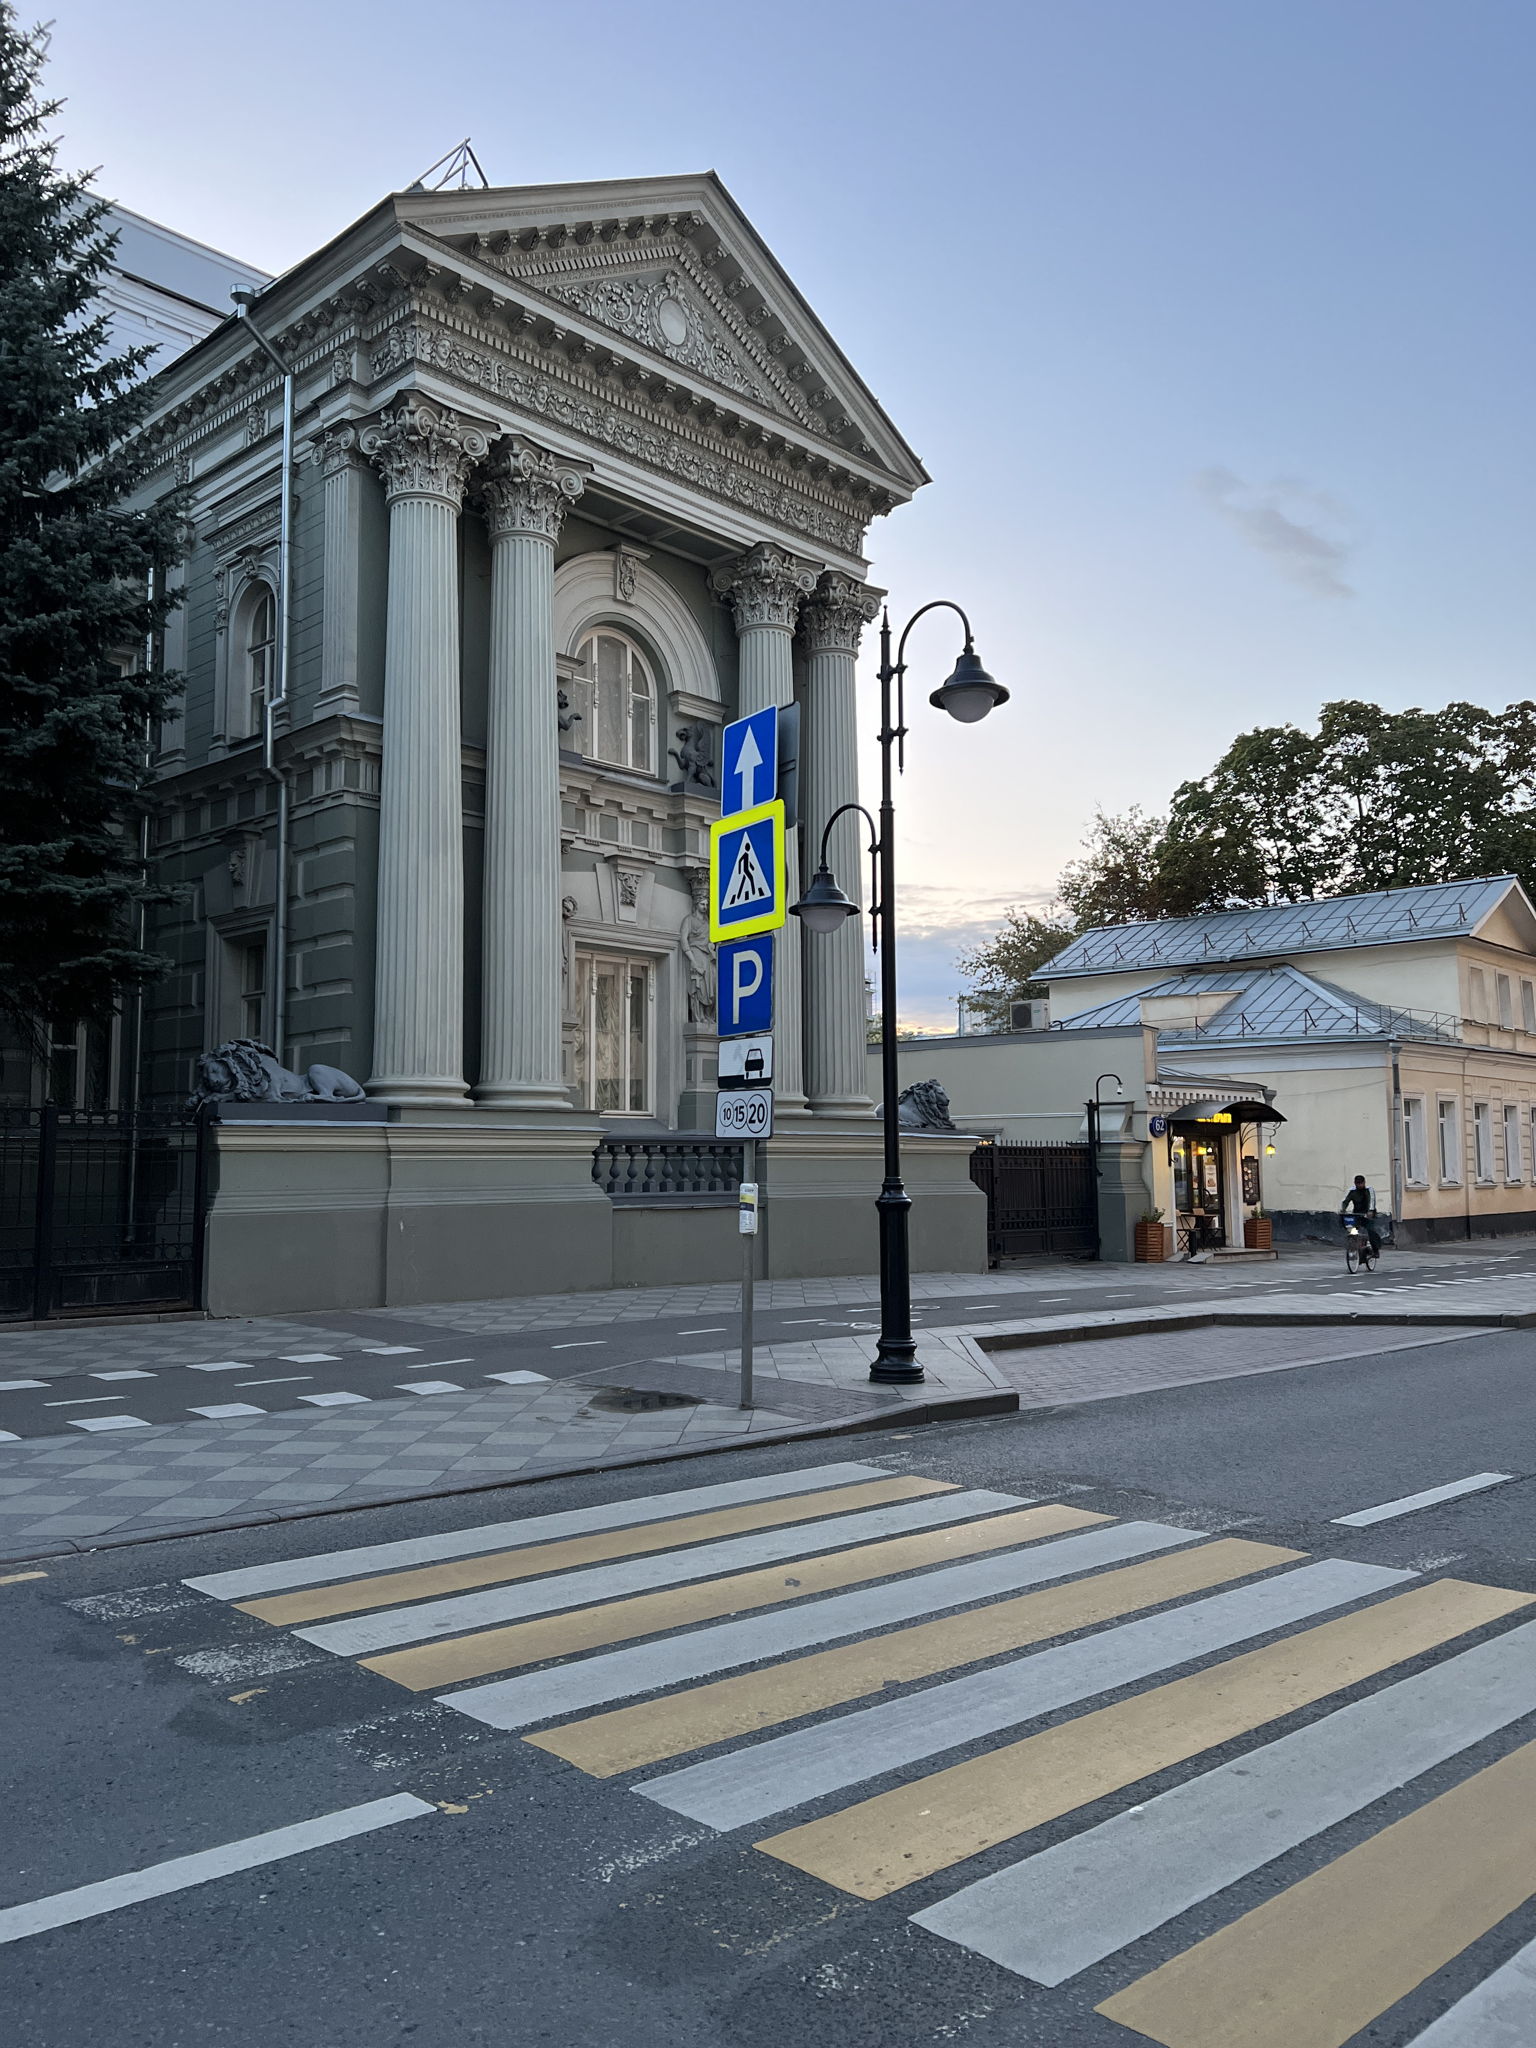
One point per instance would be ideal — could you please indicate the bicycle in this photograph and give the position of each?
(1358, 1255)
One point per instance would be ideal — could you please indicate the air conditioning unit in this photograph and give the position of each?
(1032, 1014)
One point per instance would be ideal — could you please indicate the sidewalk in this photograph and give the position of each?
(74, 1491)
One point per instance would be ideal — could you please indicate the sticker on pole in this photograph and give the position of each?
(744, 976)
(744, 1113)
(746, 873)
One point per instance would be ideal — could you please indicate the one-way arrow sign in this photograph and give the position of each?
(749, 752)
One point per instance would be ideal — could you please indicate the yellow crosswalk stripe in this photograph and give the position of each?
(390, 1589)
(619, 1621)
(1313, 1966)
(896, 1837)
(627, 1737)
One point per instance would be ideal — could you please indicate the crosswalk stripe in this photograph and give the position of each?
(1499, 2013)
(1312, 1966)
(1055, 1913)
(629, 1737)
(251, 1580)
(622, 1674)
(354, 1596)
(634, 1575)
(791, 1769)
(899, 1836)
(593, 1628)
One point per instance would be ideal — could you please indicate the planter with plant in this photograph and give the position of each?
(1151, 1239)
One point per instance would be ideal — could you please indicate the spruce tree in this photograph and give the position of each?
(81, 584)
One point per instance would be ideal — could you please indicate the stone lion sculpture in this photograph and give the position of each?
(924, 1107)
(245, 1070)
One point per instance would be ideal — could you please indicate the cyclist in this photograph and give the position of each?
(1360, 1203)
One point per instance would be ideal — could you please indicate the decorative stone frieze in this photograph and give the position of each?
(425, 451)
(766, 587)
(529, 491)
(835, 615)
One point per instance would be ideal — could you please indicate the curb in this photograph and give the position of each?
(946, 1408)
(1259, 1319)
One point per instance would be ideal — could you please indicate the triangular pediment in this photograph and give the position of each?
(674, 272)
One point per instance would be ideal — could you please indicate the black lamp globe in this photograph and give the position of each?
(823, 906)
(970, 693)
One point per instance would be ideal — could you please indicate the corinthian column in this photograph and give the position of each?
(766, 589)
(835, 1007)
(342, 466)
(425, 454)
(526, 497)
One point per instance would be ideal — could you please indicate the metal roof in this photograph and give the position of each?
(1270, 1002)
(1386, 917)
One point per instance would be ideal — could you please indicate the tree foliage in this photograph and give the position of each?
(1372, 799)
(76, 606)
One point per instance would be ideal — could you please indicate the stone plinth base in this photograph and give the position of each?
(477, 1207)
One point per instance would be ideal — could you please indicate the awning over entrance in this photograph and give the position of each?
(1220, 1110)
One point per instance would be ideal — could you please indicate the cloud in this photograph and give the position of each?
(1305, 533)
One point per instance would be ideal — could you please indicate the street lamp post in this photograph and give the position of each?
(968, 694)
(1095, 1111)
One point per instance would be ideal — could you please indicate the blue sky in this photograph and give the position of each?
(1211, 320)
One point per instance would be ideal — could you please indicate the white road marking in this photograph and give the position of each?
(388, 1350)
(86, 1401)
(1056, 1913)
(62, 1909)
(332, 1400)
(222, 1411)
(429, 1387)
(311, 1358)
(15, 1386)
(579, 1344)
(519, 1379)
(107, 1422)
(772, 1776)
(223, 1365)
(296, 1379)
(134, 1374)
(701, 1653)
(9, 1436)
(326, 1565)
(710, 1330)
(428, 1619)
(1498, 2013)
(1410, 1503)
(436, 1364)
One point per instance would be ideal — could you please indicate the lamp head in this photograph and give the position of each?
(969, 693)
(823, 906)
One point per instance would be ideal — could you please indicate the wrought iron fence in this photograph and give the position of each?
(101, 1211)
(1040, 1198)
(662, 1169)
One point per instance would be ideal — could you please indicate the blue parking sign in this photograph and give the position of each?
(744, 997)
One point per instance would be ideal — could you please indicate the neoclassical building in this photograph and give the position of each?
(578, 476)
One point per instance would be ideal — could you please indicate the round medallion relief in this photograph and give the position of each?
(672, 319)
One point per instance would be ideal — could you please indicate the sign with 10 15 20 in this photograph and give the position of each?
(744, 1113)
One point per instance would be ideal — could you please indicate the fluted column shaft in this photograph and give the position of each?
(525, 499)
(425, 454)
(342, 466)
(835, 1005)
(767, 587)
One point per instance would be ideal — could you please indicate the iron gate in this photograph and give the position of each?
(101, 1211)
(1040, 1198)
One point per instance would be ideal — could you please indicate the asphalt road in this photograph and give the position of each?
(512, 1896)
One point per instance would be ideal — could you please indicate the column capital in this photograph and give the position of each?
(766, 586)
(527, 490)
(424, 451)
(335, 448)
(837, 612)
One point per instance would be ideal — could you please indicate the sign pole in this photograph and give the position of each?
(748, 1225)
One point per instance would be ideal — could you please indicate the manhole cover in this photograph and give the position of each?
(638, 1400)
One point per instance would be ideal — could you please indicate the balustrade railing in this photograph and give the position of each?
(667, 1169)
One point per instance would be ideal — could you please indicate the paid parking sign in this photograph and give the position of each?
(744, 1004)
(746, 873)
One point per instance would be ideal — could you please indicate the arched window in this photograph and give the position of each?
(260, 658)
(623, 699)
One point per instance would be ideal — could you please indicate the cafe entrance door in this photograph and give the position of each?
(1199, 1186)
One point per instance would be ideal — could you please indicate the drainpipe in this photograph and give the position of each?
(1397, 1136)
(278, 699)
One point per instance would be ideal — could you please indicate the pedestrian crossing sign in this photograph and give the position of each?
(747, 873)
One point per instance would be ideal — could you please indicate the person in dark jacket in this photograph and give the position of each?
(1360, 1203)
